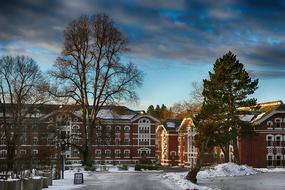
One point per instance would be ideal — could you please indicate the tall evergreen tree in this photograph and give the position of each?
(229, 87)
(150, 110)
(218, 123)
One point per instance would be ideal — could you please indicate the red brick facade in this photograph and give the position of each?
(175, 143)
(266, 147)
(129, 138)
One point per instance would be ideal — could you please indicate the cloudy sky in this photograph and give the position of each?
(173, 42)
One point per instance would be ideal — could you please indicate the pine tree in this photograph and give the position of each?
(229, 87)
(150, 110)
(218, 123)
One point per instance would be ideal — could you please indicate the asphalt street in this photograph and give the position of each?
(127, 181)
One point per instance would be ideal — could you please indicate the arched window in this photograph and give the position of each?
(75, 129)
(278, 123)
(269, 139)
(278, 140)
(279, 159)
(118, 129)
(269, 124)
(127, 129)
(269, 159)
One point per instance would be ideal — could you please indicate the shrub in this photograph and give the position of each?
(90, 168)
(139, 167)
(123, 167)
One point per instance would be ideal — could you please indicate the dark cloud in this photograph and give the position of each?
(184, 31)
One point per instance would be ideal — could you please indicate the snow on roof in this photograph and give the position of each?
(170, 124)
(246, 117)
(109, 113)
(259, 116)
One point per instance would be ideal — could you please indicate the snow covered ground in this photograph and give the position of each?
(67, 182)
(265, 170)
(221, 170)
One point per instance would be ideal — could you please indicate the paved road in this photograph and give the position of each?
(262, 181)
(127, 181)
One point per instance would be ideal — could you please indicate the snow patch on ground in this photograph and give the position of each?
(227, 169)
(67, 182)
(221, 170)
(179, 180)
(270, 169)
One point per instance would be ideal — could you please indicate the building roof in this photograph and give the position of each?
(171, 124)
(260, 111)
(110, 112)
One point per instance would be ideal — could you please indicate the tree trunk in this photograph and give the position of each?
(236, 151)
(226, 151)
(192, 174)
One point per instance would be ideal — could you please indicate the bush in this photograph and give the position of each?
(139, 167)
(90, 168)
(123, 167)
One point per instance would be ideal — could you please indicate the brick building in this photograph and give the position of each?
(175, 146)
(120, 136)
(266, 148)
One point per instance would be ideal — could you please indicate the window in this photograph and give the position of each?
(23, 152)
(269, 160)
(2, 141)
(117, 141)
(269, 139)
(3, 153)
(98, 153)
(75, 129)
(108, 153)
(50, 141)
(118, 129)
(98, 141)
(278, 140)
(127, 141)
(74, 153)
(117, 153)
(35, 141)
(278, 160)
(278, 123)
(269, 124)
(127, 129)
(126, 153)
(35, 152)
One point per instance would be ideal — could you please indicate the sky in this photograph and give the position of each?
(174, 42)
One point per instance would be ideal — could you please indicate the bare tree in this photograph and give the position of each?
(91, 73)
(22, 86)
(196, 93)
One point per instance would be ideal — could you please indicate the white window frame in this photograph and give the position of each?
(109, 156)
(276, 136)
(96, 153)
(278, 120)
(267, 139)
(269, 124)
(3, 154)
(129, 153)
(117, 151)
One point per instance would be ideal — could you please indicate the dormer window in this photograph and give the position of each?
(269, 124)
(277, 123)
